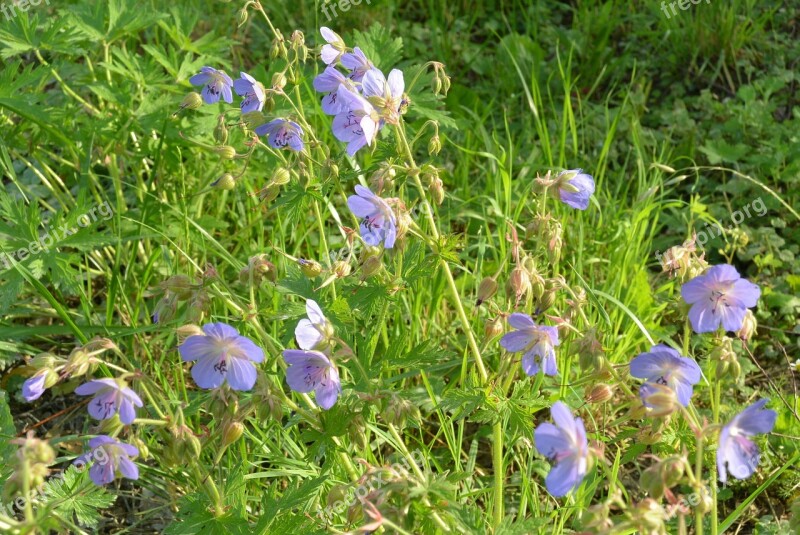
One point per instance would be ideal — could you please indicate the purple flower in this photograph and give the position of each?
(359, 124)
(222, 355)
(536, 341)
(282, 133)
(331, 52)
(109, 399)
(314, 332)
(665, 366)
(386, 94)
(719, 296)
(313, 370)
(564, 445)
(574, 188)
(109, 458)
(252, 91)
(329, 82)
(34, 386)
(379, 223)
(736, 450)
(357, 63)
(216, 83)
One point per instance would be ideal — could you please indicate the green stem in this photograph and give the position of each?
(699, 475)
(497, 462)
(211, 489)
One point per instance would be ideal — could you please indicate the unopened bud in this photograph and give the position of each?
(281, 176)
(519, 283)
(225, 182)
(226, 152)
(254, 119)
(233, 431)
(486, 289)
(600, 393)
(749, 326)
(221, 132)
(341, 268)
(437, 190)
(310, 268)
(279, 80)
(243, 16)
(371, 266)
(192, 101)
(434, 145)
(492, 329)
(185, 331)
(659, 399)
(270, 193)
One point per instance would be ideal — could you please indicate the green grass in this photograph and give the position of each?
(680, 121)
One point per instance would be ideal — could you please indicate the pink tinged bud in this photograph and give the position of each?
(599, 394)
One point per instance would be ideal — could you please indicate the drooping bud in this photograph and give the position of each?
(371, 266)
(492, 328)
(341, 268)
(599, 393)
(434, 145)
(226, 152)
(486, 289)
(437, 190)
(310, 268)
(281, 176)
(231, 433)
(180, 285)
(225, 182)
(519, 283)
(192, 101)
(279, 80)
(270, 193)
(749, 326)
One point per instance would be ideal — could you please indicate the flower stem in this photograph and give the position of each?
(497, 463)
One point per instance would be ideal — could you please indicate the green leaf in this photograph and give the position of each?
(74, 494)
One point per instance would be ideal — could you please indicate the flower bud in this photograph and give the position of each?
(270, 193)
(486, 289)
(341, 268)
(243, 16)
(749, 326)
(437, 190)
(338, 493)
(659, 399)
(225, 182)
(185, 331)
(279, 80)
(310, 268)
(492, 328)
(371, 266)
(231, 433)
(180, 285)
(599, 393)
(44, 360)
(221, 132)
(651, 482)
(192, 101)
(434, 145)
(281, 176)
(253, 119)
(519, 283)
(650, 516)
(226, 152)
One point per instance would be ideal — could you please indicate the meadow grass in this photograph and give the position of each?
(679, 121)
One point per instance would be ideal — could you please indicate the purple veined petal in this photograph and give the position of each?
(268, 128)
(563, 418)
(95, 385)
(361, 207)
(331, 105)
(301, 378)
(549, 365)
(689, 370)
(552, 333)
(723, 273)
(133, 396)
(370, 129)
(102, 473)
(200, 78)
(649, 365)
(129, 449)
(683, 391)
(373, 83)
(355, 60)
(210, 372)
(740, 455)
(565, 476)
(241, 374)
(356, 145)
(302, 357)
(550, 441)
(329, 54)
(314, 312)
(225, 78)
(371, 236)
(296, 144)
(695, 290)
(391, 236)
(516, 341)
(210, 96)
(220, 330)
(363, 191)
(396, 83)
(732, 317)
(127, 468)
(346, 126)
(246, 348)
(198, 347)
(100, 440)
(521, 321)
(529, 363)
(227, 95)
(664, 348)
(307, 335)
(127, 414)
(329, 80)
(34, 387)
(105, 404)
(702, 318)
(744, 294)
(328, 389)
(329, 35)
(242, 86)
(755, 419)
